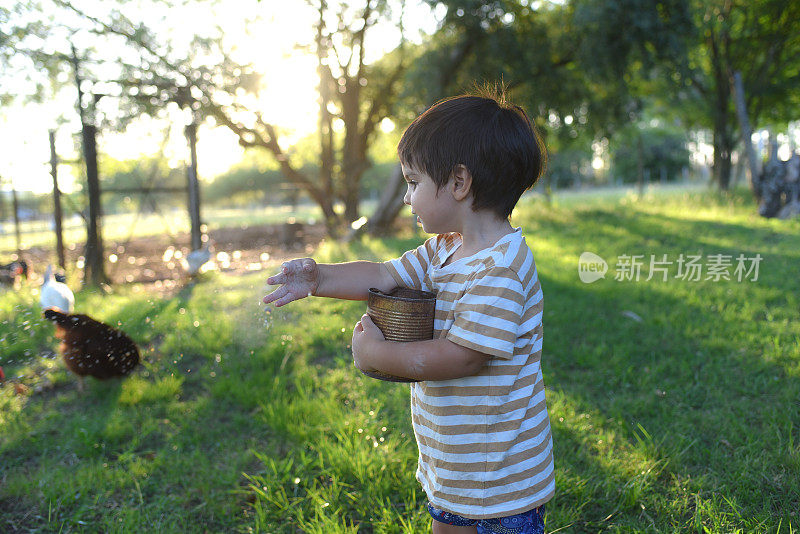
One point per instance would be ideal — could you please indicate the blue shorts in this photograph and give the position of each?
(530, 522)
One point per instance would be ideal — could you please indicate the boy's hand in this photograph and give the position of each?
(298, 279)
(365, 335)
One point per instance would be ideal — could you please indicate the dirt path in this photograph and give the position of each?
(159, 261)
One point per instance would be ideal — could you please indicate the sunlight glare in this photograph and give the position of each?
(276, 40)
(387, 125)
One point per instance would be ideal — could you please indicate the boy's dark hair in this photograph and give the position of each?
(492, 137)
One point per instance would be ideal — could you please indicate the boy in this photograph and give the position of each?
(479, 414)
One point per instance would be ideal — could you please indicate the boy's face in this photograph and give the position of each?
(434, 208)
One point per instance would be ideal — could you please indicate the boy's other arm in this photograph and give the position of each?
(433, 359)
(353, 280)
(304, 277)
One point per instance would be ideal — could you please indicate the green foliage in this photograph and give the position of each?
(257, 179)
(569, 156)
(551, 73)
(244, 185)
(618, 35)
(660, 151)
(21, 24)
(758, 39)
(569, 167)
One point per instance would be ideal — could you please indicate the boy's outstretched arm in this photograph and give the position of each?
(305, 277)
(433, 359)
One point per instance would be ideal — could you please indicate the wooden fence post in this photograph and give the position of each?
(57, 202)
(15, 208)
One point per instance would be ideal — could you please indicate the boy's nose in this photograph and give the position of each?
(407, 198)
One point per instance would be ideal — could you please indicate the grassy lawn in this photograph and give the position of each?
(675, 404)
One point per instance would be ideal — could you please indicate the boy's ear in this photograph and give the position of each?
(461, 182)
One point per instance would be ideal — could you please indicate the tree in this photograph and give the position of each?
(17, 24)
(18, 27)
(578, 68)
(760, 39)
(661, 156)
(354, 94)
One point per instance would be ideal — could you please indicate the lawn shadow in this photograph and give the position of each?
(702, 399)
(692, 383)
(657, 229)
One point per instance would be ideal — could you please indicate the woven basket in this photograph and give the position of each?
(402, 315)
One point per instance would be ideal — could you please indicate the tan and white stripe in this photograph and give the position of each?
(484, 441)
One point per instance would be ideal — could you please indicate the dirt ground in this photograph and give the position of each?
(158, 262)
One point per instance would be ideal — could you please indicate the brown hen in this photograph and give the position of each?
(92, 348)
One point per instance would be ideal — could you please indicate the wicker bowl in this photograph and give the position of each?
(402, 315)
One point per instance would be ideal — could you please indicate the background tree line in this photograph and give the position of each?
(633, 78)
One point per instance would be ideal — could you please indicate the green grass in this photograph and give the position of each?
(688, 421)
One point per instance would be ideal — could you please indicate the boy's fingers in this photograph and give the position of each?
(287, 269)
(278, 293)
(290, 268)
(276, 279)
(368, 322)
(286, 299)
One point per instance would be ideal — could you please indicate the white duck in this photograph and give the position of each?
(56, 294)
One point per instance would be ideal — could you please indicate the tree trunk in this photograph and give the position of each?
(326, 89)
(723, 139)
(353, 159)
(723, 143)
(94, 269)
(722, 160)
(352, 193)
(389, 205)
(326, 140)
(747, 130)
(391, 201)
(332, 220)
(193, 186)
(640, 165)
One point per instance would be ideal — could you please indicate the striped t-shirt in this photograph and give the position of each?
(485, 448)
